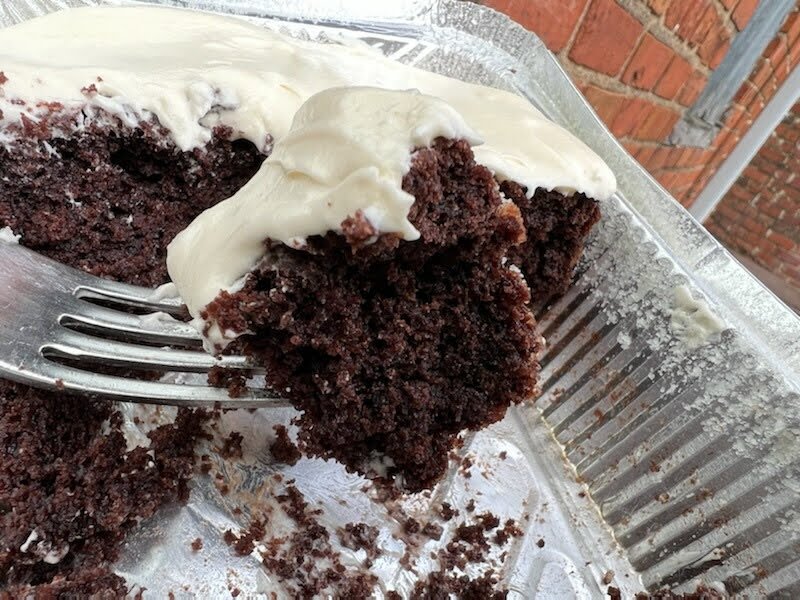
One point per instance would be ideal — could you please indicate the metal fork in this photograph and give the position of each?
(49, 316)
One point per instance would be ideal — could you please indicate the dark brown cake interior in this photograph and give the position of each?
(106, 200)
(557, 227)
(394, 347)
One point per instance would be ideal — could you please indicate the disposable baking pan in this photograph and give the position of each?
(665, 448)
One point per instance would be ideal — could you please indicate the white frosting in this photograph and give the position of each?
(8, 236)
(692, 320)
(346, 151)
(195, 71)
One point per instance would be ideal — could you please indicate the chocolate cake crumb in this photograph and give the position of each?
(432, 531)
(360, 537)
(283, 449)
(447, 512)
(441, 586)
(306, 562)
(197, 545)
(470, 507)
(509, 530)
(244, 543)
(540, 543)
(232, 446)
(235, 380)
(701, 593)
(411, 526)
(129, 191)
(488, 521)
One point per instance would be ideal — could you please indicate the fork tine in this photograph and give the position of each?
(77, 381)
(98, 318)
(79, 346)
(129, 295)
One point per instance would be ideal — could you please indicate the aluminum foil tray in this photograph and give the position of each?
(665, 449)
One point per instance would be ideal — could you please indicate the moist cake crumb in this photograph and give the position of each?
(360, 536)
(447, 512)
(232, 446)
(283, 449)
(235, 380)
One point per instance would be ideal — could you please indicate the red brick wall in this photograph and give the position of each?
(760, 215)
(641, 63)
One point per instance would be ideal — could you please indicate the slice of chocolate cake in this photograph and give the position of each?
(396, 321)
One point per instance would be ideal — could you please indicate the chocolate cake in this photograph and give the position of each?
(389, 346)
(106, 199)
(394, 347)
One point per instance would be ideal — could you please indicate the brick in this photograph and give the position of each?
(648, 63)
(755, 174)
(760, 74)
(658, 6)
(791, 27)
(630, 117)
(552, 22)
(754, 226)
(744, 11)
(733, 115)
(780, 240)
(716, 39)
(606, 37)
(684, 179)
(678, 14)
(788, 133)
(793, 56)
(675, 154)
(771, 210)
(725, 212)
(645, 154)
(755, 108)
(674, 78)
(776, 49)
(746, 94)
(707, 20)
(771, 154)
(657, 124)
(692, 89)
(789, 258)
(666, 179)
(720, 53)
(686, 157)
(659, 158)
(606, 104)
